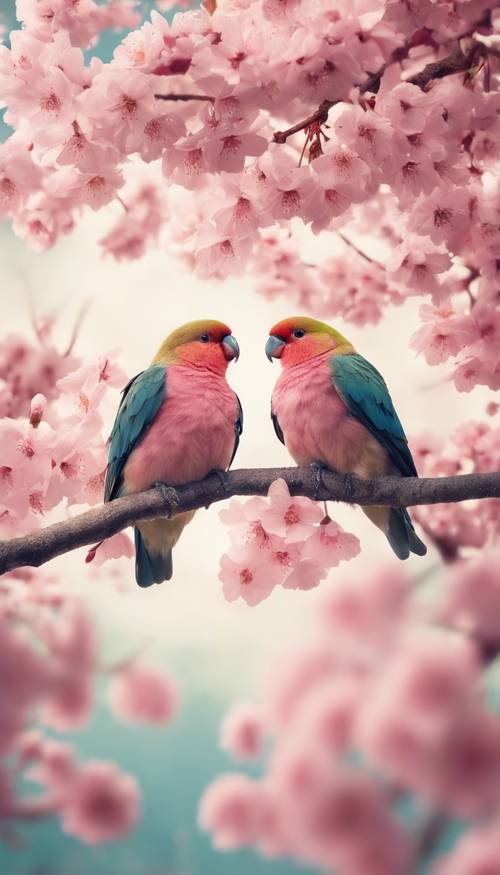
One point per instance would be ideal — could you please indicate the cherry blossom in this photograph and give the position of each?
(103, 805)
(141, 693)
(477, 853)
(232, 809)
(48, 676)
(399, 711)
(242, 731)
(286, 540)
(472, 447)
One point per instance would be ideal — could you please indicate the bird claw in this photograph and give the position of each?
(169, 495)
(222, 476)
(318, 468)
(349, 487)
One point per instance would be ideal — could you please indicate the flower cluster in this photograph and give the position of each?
(378, 707)
(348, 285)
(474, 447)
(413, 158)
(282, 541)
(31, 368)
(57, 409)
(50, 658)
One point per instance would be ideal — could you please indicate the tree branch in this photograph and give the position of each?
(104, 521)
(359, 251)
(456, 62)
(318, 117)
(172, 96)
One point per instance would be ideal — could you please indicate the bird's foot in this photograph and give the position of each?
(222, 477)
(169, 495)
(348, 487)
(318, 469)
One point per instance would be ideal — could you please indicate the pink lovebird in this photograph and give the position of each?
(178, 420)
(330, 407)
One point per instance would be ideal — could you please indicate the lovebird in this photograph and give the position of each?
(177, 421)
(331, 408)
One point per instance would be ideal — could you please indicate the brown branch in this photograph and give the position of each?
(318, 117)
(372, 84)
(356, 248)
(102, 522)
(77, 327)
(456, 62)
(172, 96)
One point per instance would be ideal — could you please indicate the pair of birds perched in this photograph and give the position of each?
(179, 419)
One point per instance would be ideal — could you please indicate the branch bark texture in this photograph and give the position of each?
(108, 519)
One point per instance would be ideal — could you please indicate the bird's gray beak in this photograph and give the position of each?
(230, 347)
(274, 347)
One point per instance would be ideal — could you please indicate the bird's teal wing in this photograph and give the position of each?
(238, 429)
(366, 395)
(142, 398)
(277, 427)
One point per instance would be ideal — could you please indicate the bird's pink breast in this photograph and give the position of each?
(193, 432)
(316, 424)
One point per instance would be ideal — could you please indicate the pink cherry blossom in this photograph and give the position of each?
(467, 778)
(112, 548)
(247, 575)
(69, 705)
(103, 806)
(286, 540)
(288, 517)
(143, 694)
(473, 593)
(327, 713)
(56, 767)
(230, 809)
(242, 730)
(445, 334)
(476, 853)
(330, 544)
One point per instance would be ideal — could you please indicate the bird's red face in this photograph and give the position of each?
(208, 345)
(297, 340)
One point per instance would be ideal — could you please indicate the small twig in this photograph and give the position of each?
(319, 117)
(106, 520)
(122, 202)
(372, 84)
(456, 62)
(446, 547)
(76, 327)
(429, 837)
(185, 97)
(356, 249)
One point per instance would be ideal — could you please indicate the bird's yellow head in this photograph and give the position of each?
(204, 343)
(300, 338)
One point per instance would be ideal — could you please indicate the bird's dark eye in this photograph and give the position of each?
(204, 338)
(298, 333)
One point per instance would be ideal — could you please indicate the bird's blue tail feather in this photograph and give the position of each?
(151, 567)
(402, 536)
